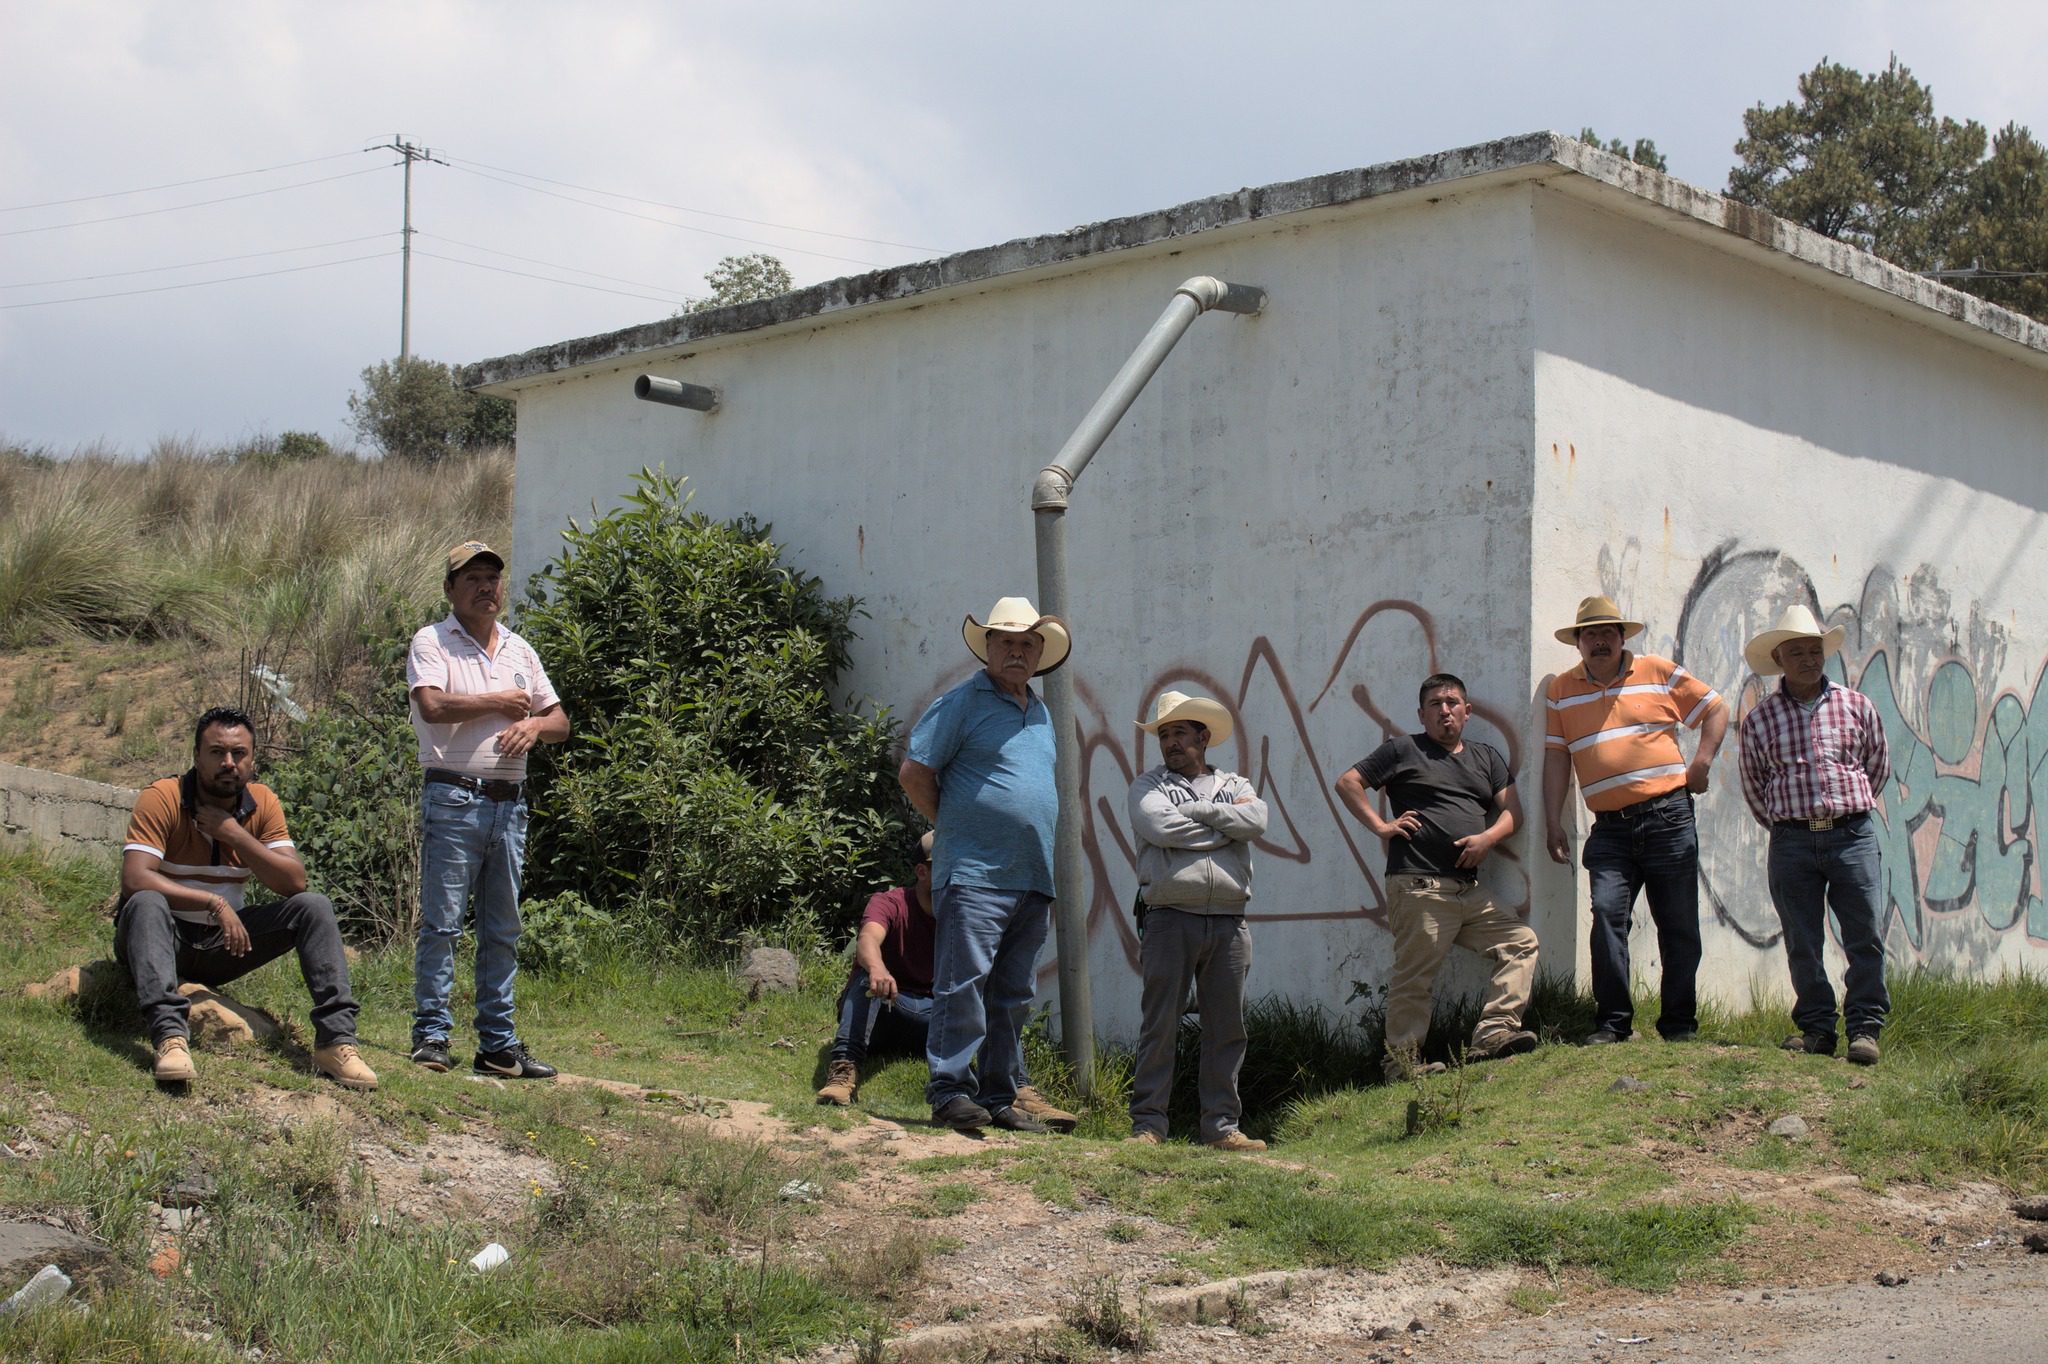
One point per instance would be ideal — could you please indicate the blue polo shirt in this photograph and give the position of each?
(997, 797)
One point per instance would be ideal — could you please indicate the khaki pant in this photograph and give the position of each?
(1431, 915)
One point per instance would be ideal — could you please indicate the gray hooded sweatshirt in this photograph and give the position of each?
(1195, 839)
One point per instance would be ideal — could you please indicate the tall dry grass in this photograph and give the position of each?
(303, 566)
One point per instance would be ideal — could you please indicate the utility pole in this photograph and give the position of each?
(411, 154)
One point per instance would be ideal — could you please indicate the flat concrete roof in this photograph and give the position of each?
(1650, 194)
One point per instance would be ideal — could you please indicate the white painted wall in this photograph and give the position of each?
(1454, 420)
(1356, 454)
(1713, 432)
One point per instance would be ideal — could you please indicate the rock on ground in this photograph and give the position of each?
(26, 1247)
(217, 1020)
(769, 970)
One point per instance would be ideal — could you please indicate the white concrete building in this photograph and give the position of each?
(1486, 383)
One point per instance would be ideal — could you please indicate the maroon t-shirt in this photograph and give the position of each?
(907, 940)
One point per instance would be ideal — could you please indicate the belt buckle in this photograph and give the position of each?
(1821, 825)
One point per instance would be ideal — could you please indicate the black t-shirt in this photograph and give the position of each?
(1452, 792)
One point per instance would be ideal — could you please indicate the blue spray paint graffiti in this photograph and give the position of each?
(1969, 760)
(1982, 821)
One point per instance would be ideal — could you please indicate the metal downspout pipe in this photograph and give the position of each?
(1050, 492)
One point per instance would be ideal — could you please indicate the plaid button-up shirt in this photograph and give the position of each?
(1813, 764)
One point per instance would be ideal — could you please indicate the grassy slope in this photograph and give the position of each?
(661, 1243)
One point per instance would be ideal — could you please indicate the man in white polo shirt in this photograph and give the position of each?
(480, 702)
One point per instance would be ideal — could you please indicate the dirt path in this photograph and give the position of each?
(1011, 1267)
(1969, 1290)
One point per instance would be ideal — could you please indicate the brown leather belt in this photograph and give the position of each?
(1820, 825)
(488, 789)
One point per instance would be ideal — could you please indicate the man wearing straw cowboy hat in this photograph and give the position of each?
(1613, 722)
(1813, 761)
(1453, 801)
(1194, 827)
(981, 770)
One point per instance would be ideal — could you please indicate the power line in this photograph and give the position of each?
(668, 222)
(552, 265)
(178, 184)
(198, 203)
(549, 279)
(195, 264)
(684, 208)
(197, 283)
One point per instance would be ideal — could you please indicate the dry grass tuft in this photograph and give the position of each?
(302, 565)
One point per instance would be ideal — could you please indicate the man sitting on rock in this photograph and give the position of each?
(193, 844)
(886, 1007)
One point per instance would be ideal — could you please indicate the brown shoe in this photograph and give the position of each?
(1144, 1139)
(343, 1064)
(1234, 1140)
(1513, 1042)
(1029, 1100)
(174, 1061)
(1863, 1050)
(841, 1079)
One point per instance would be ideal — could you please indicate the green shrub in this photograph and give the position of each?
(712, 784)
(561, 935)
(295, 446)
(350, 792)
(412, 410)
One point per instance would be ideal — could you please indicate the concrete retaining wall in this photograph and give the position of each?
(65, 814)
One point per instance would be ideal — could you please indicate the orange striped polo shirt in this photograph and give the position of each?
(1623, 737)
(161, 827)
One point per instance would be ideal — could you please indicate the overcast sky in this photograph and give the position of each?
(840, 136)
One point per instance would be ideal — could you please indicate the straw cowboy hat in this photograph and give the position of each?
(1175, 705)
(1018, 614)
(1796, 623)
(1598, 611)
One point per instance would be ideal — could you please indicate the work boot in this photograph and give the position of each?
(1812, 1043)
(1029, 1100)
(1863, 1049)
(1013, 1119)
(174, 1061)
(342, 1064)
(1514, 1042)
(1234, 1140)
(962, 1114)
(841, 1079)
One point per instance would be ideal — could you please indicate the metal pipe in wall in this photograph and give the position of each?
(1050, 493)
(676, 393)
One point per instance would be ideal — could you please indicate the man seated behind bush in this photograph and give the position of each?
(886, 1007)
(193, 843)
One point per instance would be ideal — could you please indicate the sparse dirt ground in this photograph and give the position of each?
(1801, 1284)
(115, 712)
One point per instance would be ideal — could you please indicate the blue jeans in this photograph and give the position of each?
(984, 967)
(1841, 866)
(470, 846)
(869, 1026)
(1652, 846)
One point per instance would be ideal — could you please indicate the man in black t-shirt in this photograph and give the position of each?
(1452, 801)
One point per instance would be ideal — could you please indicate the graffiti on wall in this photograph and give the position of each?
(1959, 821)
(1293, 741)
(1960, 818)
